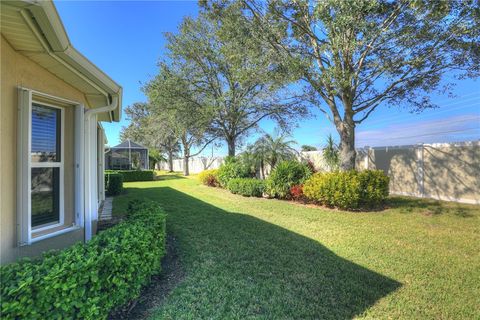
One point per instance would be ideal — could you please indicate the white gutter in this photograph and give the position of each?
(92, 165)
(48, 29)
(112, 106)
(54, 56)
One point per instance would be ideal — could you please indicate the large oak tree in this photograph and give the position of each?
(178, 105)
(232, 74)
(357, 56)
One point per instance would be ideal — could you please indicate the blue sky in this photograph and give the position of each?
(125, 40)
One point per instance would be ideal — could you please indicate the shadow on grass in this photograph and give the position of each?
(430, 207)
(239, 266)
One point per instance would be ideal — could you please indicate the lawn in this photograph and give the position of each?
(270, 259)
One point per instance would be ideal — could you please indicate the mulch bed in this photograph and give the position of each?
(154, 294)
(106, 224)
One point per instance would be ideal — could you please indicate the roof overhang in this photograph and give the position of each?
(34, 29)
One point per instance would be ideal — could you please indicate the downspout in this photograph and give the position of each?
(109, 108)
(88, 186)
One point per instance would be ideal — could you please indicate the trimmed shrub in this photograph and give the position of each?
(88, 281)
(231, 169)
(248, 187)
(349, 190)
(334, 189)
(374, 188)
(209, 177)
(134, 175)
(113, 184)
(296, 192)
(285, 175)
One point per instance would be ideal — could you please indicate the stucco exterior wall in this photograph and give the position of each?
(17, 70)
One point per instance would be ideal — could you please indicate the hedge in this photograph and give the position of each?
(231, 169)
(349, 190)
(134, 175)
(284, 176)
(209, 178)
(113, 184)
(88, 281)
(249, 187)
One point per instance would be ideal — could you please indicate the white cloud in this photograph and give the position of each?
(457, 128)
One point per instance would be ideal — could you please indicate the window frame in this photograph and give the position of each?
(49, 164)
(25, 232)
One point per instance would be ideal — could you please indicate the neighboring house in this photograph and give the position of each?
(128, 155)
(51, 138)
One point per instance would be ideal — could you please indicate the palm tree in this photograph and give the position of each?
(154, 157)
(250, 159)
(271, 149)
(331, 154)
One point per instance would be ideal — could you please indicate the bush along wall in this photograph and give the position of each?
(88, 281)
(248, 187)
(231, 169)
(134, 175)
(284, 176)
(350, 190)
(113, 183)
(209, 178)
(296, 192)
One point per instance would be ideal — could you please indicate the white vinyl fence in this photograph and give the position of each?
(444, 171)
(447, 171)
(195, 164)
(198, 164)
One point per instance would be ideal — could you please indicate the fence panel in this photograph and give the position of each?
(446, 171)
(195, 164)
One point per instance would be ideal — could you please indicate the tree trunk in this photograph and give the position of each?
(273, 163)
(170, 161)
(262, 168)
(231, 146)
(347, 144)
(186, 154)
(186, 170)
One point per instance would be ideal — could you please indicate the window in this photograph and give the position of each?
(43, 211)
(46, 166)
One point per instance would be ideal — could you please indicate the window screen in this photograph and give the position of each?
(45, 134)
(45, 196)
(46, 165)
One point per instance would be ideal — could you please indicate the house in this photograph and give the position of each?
(53, 101)
(128, 155)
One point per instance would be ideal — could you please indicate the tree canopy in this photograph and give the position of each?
(175, 100)
(356, 56)
(307, 148)
(152, 131)
(230, 75)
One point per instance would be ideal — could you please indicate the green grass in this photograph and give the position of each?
(269, 259)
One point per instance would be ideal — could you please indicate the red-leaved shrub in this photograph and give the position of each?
(296, 192)
(212, 181)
